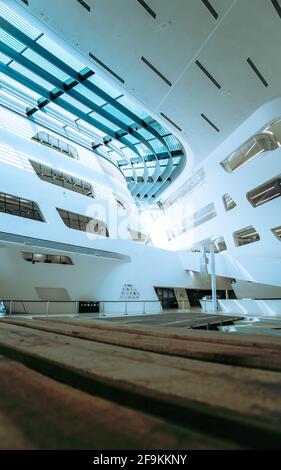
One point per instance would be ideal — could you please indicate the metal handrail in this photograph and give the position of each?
(84, 301)
(127, 307)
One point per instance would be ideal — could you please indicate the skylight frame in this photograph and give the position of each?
(57, 89)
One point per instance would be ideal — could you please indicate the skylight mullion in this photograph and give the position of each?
(59, 67)
(56, 82)
(32, 76)
(4, 58)
(13, 42)
(19, 22)
(35, 46)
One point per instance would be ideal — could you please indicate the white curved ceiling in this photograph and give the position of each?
(120, 32)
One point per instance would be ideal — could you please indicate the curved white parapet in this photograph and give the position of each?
(121, 308)
(266, 307)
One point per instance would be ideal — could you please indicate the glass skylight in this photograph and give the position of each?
(45, 65)
(4, 58)
(19, 22)
(11, 41)
(135, 108)
(18, 90)
(116, 113)
(104, 86)
(146, 134)
(157, 146)
(172, 142)
(77, 104)
(142, 149)
(44, 86)
(104, 121)
(32, 76)
(90, 95)
(60, 53)
(58, 112)
(132, 139)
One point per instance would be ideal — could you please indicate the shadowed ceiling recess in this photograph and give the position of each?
(51, 83)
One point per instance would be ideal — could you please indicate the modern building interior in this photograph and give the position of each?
(140, 224)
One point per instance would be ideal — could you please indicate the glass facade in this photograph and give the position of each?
(62, 179)
(83, 223)
(20, 207)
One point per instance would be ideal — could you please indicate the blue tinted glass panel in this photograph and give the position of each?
(32, 76)
(19, 22)
(10, 41)
(45, 65)
(104, 86)
(116, 113)
(90, 95)
(60, 53)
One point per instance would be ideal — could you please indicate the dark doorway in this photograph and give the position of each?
(167, 297)
(89, 307)
(194, 295)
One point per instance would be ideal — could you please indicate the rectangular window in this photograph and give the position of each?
(57, 144)
(14, 205)
(199, 217)
(187, 188)
(138, 236)
(265, 193)
(267, 139)
(83, 223)
(45, 258)
(64, 180)
(277, 232)
(228, 202)
(218, 243)
(245, 236)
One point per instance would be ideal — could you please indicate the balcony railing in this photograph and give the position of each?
(98, 309)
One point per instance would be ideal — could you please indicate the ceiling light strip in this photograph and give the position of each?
(85, 5)
(171, 122)
(210, 122)
(98, 61)
(154, 69)
(147, 8)
(210, 77)
(277, 6)
(257, 72)
(210, 8)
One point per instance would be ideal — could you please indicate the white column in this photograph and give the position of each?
(214, 281)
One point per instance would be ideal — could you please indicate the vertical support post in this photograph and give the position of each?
(48, 304)
(10, 308)
(143, 307)
(214, 281)
(126, 308)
